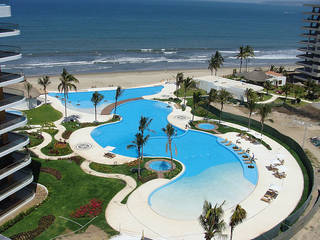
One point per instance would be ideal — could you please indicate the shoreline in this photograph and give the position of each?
(134, 78)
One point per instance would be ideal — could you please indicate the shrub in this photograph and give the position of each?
(66, 134)
(92, 209)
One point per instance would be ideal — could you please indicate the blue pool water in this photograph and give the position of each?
(160, 165)
(206, 126)
(213, 171)
(82, 100)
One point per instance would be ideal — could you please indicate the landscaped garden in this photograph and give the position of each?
(43, 114)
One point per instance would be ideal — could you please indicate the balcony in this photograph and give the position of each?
(308, 72)
(11, 122)
(310, 28)
(309, 64)
(15, 142)
(20, 197)
(9, 29)
(18, 180)
(11, 97)
(10, 78)
(309, 35)
(310, 20)
(310, 42)
(13, 162)
(309, 50)
(5, 9)
(303, 77)
(308, 57)
(9, 53)
(312, 13)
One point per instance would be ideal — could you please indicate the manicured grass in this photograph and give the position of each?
(35, 139)
(43, 114)
(66, 195)
(265, 97)
(51, 149)
(190, 91)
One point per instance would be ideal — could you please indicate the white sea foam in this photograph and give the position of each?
(169, 53)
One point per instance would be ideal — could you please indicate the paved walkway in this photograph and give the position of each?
(108, 109)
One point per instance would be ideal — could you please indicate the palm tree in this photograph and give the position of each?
(170, 132)
(239, 214)
(215, 62)
(67, 83)
(196, 99)
(298, 91)
(264, 111)
(286, 89)
(211, 220)
(223, 97)
(119, 92)
(144, 124)
(28, 86)
(138, 143)
(179, 81)
(249, 53)
(187, 83)
(273, 68)
(252, 105)
(95, 99)
(268, 86)
(213, 96)
(241, 55)
(44, 82)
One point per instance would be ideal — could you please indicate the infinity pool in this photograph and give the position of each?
(206, 126)
(81, 101)
(160, 165)
(213, 171)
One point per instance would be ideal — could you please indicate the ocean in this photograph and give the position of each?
(87, 36)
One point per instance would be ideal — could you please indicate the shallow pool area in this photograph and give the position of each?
(81, 101)
(159, 165)
(213, 171)
(206, 126)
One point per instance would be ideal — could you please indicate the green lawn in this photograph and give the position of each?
(265, 97)
(34, 137)
(190, 91)
(43, 114)
(66, 195)
(51, 149)
(288, 101)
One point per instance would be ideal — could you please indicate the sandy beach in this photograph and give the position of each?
(132, 79)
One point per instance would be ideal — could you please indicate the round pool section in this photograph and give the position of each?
(159, 165)
(206, 126)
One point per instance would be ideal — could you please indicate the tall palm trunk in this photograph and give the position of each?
(246, 65)
(45, 95)
(170, 149)
(141, 160)
(262, 123)
(95, 112)
(115, 107)
(216, 73)
(240, 64)
(249, 124)
(231, 233)
(220, 112)
(185, 95)
(65, 104)
(139, 164)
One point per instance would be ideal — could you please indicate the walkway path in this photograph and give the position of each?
(108, 109)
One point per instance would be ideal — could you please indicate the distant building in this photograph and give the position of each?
(311, 50)
(276, 79)
(236, 88)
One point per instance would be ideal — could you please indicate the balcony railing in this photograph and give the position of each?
(11, 122)
(16, 179)
(10, 78)
(8, 53)
(12, 161)
(19, 197)
(15, 142)
(8, 27)
(10, 97)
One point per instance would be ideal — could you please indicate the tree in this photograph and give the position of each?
(187, 83)
(28, 86)
(215, 62)
(144, 124)
(241, 55)
(211, 220)
(312, 88)
(44, 82)
(196, 99)
(273, 68)
(264, 111)
(119, 92)
(138, 143)
(251, 104)
(213, 96)
(237, 217)
(223, 97)
(179, 81)
(67, 83)
(95, 99)
(286, 89)
(281, 69)
(268, 86)
(170, 132)
(297, 91)
(249, 53)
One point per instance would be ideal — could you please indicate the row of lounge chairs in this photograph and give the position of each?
(248, 138)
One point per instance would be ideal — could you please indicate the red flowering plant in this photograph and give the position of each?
(92, 209)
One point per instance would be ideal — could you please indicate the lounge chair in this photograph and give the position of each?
(228, 144)
(280, 175)
(242, 152)
(247, 162)
(224, 141)
(266, 199)
(109, 155)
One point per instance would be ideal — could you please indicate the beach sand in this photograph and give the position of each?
(132, 79)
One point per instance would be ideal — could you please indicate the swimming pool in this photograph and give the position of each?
(213, 171)
(160, 165)
(206, 126)
(81, 101)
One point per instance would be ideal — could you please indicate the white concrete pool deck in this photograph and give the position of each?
(137, 216)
